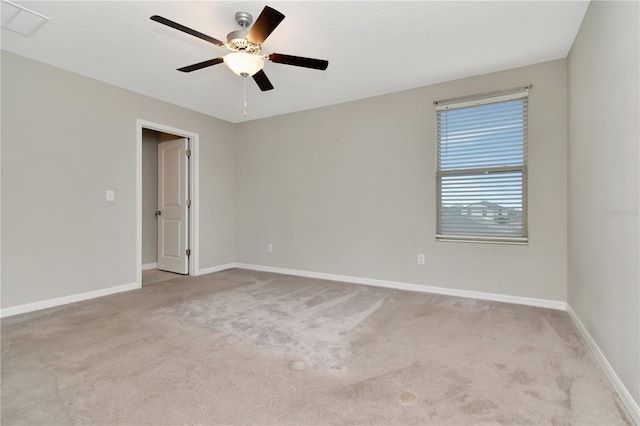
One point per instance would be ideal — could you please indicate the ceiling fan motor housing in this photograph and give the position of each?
(237, 40)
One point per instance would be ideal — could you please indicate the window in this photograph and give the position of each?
(481, 168)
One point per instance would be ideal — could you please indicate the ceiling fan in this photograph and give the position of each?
(246, 58)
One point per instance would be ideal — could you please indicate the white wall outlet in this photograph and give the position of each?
(420, 259)
(269, 247)
(111, 195)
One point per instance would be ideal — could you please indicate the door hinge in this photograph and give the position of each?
(188, 153)
(188, 252)
(188, 203)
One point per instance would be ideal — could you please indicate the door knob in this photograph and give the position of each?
(158, 212)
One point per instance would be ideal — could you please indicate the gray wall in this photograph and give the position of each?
(65, 140)
(347, 189)
(150, 139)
(350, 189)
(603, 184)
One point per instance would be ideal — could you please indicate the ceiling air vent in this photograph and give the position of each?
(20, 19)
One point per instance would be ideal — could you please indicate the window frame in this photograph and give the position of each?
(472, 101)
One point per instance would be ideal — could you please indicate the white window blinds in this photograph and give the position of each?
(481, 169)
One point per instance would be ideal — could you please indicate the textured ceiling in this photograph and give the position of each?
(372, 47)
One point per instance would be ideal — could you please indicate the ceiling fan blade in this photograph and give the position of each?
(201, 65)
(187, 30)
(268, 20)
(298, 61)
(262, 81)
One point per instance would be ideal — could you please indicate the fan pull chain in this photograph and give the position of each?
(244, 108)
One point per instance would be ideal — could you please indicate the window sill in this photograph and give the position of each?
(469, 239)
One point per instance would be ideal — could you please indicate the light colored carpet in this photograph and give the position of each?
(152, 276)
(243, 347)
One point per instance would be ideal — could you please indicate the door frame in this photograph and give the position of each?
(194, 217)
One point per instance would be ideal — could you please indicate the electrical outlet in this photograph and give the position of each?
(420, 259)
(111, 195)
(269, 247)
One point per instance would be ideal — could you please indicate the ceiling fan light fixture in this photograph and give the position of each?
(244, 64)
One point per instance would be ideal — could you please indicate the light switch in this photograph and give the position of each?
(111, 195)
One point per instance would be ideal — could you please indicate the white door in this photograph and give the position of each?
(172, 206)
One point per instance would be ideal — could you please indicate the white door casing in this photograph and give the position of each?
(173, 225)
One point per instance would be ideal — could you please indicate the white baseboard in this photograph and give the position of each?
(218, 268)
(148, 266)
(43, 304)
(542, 303)
(623, 393)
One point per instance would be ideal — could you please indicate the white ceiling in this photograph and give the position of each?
(372, 47)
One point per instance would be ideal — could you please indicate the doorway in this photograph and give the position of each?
(167, 182)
